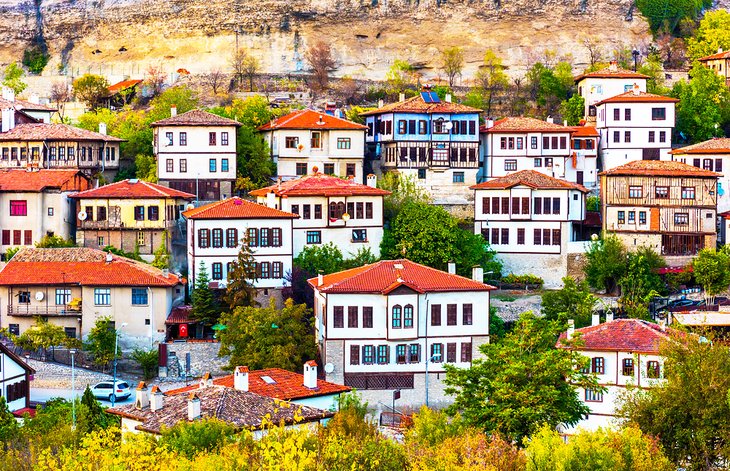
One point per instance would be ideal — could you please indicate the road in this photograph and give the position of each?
(43, 394)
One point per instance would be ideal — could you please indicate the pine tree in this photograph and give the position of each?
(240, 291)
(205, 307)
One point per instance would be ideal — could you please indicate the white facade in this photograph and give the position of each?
(511, 152)
(14, 380)
(596, 89)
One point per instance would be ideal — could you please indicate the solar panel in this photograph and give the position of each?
(426, 96)
(435, 97)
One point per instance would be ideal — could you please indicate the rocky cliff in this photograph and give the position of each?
(122, 37)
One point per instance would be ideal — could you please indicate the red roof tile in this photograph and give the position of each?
(608, 72)
(180, 315)
(53, 132)
(642, 97)
(196, 118)
(622, 335)
(522, 124)
(20, 180)
(387, 275)
(309, 119)
(716, 145)
(716, 56)
(417, 105)
(319, 184)
(531, 178)
(123, 85)
(584, 131)
(23, 105)
(80, 266)
(664, 168)
(236, 208)
(133, 189)
(286, 386)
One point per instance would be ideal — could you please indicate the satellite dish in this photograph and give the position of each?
(39, 296)
(190, 206)
(449, 125)
(83, 215)
(329, 368)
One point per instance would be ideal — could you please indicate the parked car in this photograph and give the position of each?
(683, 303)
(105, 390)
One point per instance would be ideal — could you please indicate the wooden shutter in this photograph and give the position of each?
(354, 355)
(485, 205)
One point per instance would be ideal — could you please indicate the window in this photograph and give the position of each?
(169, 138)
(203, 238)
(397, 312)
(367, 317)
(18, 208)
(617, 114)
(217, 237)
(537, 204)
(139, 296)
(661, 192)
(437, 353)
(183, 138)
(314, 237)
(400, 353)
(338, 315)
(510, 165)
(510, 143)
(653, 370)
(211, 138)
(636, 191)
(252, 237)
(63, 296)
(435, 314)
(556, 205)
(627, 114)
(100, 213)
(451, 352)
(681, 219)
(621, 217)
(224, 138)
(520, 236)
(402, 126)
(505, 205)
(616, 136)
(651, 136)
(421, 173)
(533, 142)
(100, 241)
(658, 114)
(627, 136)
(316, 140)
(451, 314)
(466, 317)
(546, 206)
(642, 217)
(212, 165)
(291, 142)
(458, 177)
(344, 142)
(408, 316)
(352, 317)
(627, 367)
(505, 235)
(277, 268)
(350, 170)
(139, 213)
(662, 136)
(183, 165)
(563, 142)
(598, 365)
(545, 142)
(718, 165)
(548, 161)
(231, 237)
(28, 237)
(520, 143)
(556, 236)
(503, 143)
(102, 297)
(593, 395)
(632, 217)
(354, 355)
(688, 192)
(217, 270)
(538, 162)
(554, 142)
(153, 213)
(465, 352)
(383, 354)
(50, 211)
(275, 237)
(224, 165)
(24, 297)
(368, 352)
(414, 353)
(264, 237)
(169, 165)
(301, 169)
(359, 235)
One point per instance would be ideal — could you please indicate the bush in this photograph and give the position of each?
(147, 360)
(35, 59)
(527, 279)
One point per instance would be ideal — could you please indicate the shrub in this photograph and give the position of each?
(35, 59)
(527, 279)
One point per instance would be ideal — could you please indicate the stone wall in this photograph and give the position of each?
(203, 358)
(550, 267)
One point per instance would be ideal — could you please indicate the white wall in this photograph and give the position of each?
(594, 90)
(197, 152)
(38, 220)
(11, 373)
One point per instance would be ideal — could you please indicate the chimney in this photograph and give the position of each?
(109, 257)
(166, 272)
(719, 50)
(477, 273)
(609, 316)
(565, 122)
(173, 111)
(447, 98)
(613, 66)
(142, 396)
(637, 89)
(8, 94)
(310, 374)
(338, 113)
(102, 128)
(372, 180)
(240, 378)
(571, 329)
(271, 199)
(452, 268)
(193, 407)
(157, 399)
(401, 97)
(490, 123)
(206, 381)
(5, 118)
(550, 120)
(320, 278)
(596, 319)
(380, 103)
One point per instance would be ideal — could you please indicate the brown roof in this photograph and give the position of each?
(53, 132)
(716, 145)
(16, 358)
(236, 208)
(664, 168)
(531, 178)
(622, 335)
(642, 97)
(180, 315)
(608, 72)
(319, 184)
(24, 105)
(196, 118)
(123, 85)
(523, 124)
(133, 189)
(21, 180)
(241, 409)
(417, 105)
(718, 55)
(309, 119)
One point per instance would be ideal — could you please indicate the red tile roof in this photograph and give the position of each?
(80, 266)
(23, 105)
(196, 118)
(584, 131)
(385, 276)
(236, 208)
(319, 184)
(53, 132)
(716, 145)
(664, 168)
(287, 385)
(417, 105)
(531, 178)
(180, 315)
(622, 335)
(21, 180)
(123, 85)
(133, 189)
(522, 124)
(642, 97)
(309, 119)
(608, 72)
(716, 56)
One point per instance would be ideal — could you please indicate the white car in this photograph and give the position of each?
(104, 390)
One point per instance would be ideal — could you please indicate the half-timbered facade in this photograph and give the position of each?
(718, 63)
(712, 155)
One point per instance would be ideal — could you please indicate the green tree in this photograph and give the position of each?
(240, 291)
(8, 424)
(35, 58)
(201, 436)
(687, 411)
(43, 335)
(91, 416)
(522, 382)
(147, 360)
(712, 271)
(403, 190)
(183, 97)
(593, 203)
(573, 109)
(255, 166)
(363, 256)
(549, 87)
(162, 255)
(712, 35)
(573, 301)
(452, 62)
(605, 262)
(252, 112)
(205, 307)
(490, 80)
(641, 282)
(654, 68)
(91, 89)
(400, 76)
(146, 168)
(668, 16)
(48, 241)
(101, 342)
(704, 105)
(266, 337)
(325, 258)
(13, 78)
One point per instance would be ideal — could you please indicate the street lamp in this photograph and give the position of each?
(73, 390)
(116, 343)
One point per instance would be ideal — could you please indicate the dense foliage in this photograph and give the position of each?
(573, 301)
(605, 263)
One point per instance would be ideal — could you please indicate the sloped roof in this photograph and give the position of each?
(133, 189)
(21, 180)
(240, 409)
(180, 315)
(53, 132)
(609, 72)
(196, 118)
(123, 85)
(16, 358)
(23, 105)
(80, 266)
(386, 275)
(531, 178)
(716, 145)
(319, 184)
(717, 55)
(622, 335)
(236, 208)
(641, 97)
(664, 168)
(524, 124)
(309, 119)
(585, 131)
(417, 105)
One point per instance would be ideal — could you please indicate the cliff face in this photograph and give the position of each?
(366, 35)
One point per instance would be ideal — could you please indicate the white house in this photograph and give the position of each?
(330, 209)
(196, 153)
(712, 155)
(635, 126)
(582, 167)
(530, 220)
(304, 139)
(606, 83)
(623, 353)
(25, 111)
(217, 230)
(394, 324)
(15, 378)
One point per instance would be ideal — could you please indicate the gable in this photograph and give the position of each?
(403, 290)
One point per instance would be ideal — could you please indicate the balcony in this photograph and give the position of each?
(27, 310)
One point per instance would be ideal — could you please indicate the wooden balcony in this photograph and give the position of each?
(27, 310)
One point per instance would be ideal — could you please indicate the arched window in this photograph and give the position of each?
(408, 316)
(340, 209)
(333, 210)
(396, 317)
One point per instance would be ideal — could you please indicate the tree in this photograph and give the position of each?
(320, 60)
(8, 424)
(266, 337)
(147, 360)
(595, 51)
(704, 105)
(199, 437)
(43, 335)
(101, 342)
(237, 61)
(403, 190)
(35, 58)
(215, 79)
(605, 262)
(712, 35)
(13, 78)
(572, 301)
(522, 382)
(400, 76)
(490, 80)
(251, 67)
(573, 110)
(155, 79)
(641, 282)
(91, 89)
(452, 62)
(241, 291)
(162, 255)
(60, 95)
(667, 16)
(687, 411)
(325, 258)
(49, 241)
(712, 271)
(673, 51)
(204, 305)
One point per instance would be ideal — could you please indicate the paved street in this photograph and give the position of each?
(44, 394)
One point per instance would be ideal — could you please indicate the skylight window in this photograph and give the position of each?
(268, 380)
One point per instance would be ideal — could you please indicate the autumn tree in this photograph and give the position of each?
(712, 35)
(237, 63)
(320, 60)
(240, 291)
(452, 62)
(251, 67)
(42, 335)
(490, 80)
(155, 78)
(595, 51)
(400, 76)
(91, 89)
